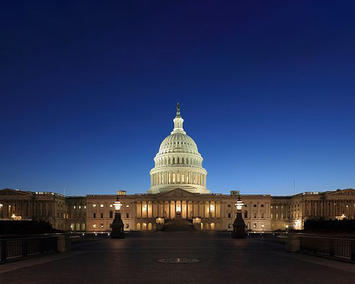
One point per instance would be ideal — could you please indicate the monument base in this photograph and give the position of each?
(239, 227)
(117, 227)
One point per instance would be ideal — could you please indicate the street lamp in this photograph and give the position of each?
(117, 204)
(239, 225)
(117, 224)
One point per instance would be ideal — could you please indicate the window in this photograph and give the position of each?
(102, 225)
(245, 214)
(94, 205)
(127, 215)
(254, 215)
(94, 215)
(102, 215)
(229, 215)
(127, 226)
(101, 205)
(262, 205)
(111, 214)
(229, 205)
(254, 205)
(262, 215)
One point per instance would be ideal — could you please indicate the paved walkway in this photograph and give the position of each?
(134, 260)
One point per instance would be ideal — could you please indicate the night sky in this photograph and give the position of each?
(88, 92)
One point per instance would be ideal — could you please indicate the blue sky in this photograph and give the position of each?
(88, 92)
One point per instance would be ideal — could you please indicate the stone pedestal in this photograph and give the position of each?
(117, 227)
(239, 227)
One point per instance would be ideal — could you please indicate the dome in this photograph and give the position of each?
(178, 143)
(178, 164)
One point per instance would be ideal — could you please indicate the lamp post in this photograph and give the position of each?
(117, 224)
(239, 225)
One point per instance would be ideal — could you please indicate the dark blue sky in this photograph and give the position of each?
(88, 92)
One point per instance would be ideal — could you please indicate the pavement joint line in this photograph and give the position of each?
(23, 263)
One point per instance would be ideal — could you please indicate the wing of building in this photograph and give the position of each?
(178, 190)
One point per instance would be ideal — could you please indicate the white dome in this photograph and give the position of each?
(178, 164)
(178, 143)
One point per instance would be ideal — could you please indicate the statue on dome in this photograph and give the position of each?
(178, 110)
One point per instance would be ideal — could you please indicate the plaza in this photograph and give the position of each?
(219, 259)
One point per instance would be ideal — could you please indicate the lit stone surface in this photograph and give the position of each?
(178, 163)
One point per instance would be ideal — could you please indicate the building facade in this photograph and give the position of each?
(178, 188)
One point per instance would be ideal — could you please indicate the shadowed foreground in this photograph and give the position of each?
(135, 260)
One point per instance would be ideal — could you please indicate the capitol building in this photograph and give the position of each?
(178, 191)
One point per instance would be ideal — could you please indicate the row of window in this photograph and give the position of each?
(246, 205)
(246, 215)
(101, 226)
(177, 160)
(103, 205)
(110, 215)
(79, 207)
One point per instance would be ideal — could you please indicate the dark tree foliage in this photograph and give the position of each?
(25, 228)
(331, 226)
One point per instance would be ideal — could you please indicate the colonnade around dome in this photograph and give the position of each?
(178, 177)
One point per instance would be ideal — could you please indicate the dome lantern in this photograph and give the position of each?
(178, 122)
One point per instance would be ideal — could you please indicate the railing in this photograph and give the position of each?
(15, 248)
(341, 248)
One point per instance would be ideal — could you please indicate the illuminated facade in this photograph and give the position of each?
(178, 163)
(178, 190)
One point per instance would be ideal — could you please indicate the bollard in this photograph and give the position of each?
(293, 243)
(61, 243)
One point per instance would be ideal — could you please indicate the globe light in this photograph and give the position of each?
(239, 204)
(117, 204)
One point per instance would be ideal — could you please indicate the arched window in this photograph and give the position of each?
(149, 226)
(138, 226)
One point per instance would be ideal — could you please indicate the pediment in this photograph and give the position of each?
(178, 192)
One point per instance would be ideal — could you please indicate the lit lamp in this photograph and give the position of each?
(117, 204)
(239, 225)
(117, 224)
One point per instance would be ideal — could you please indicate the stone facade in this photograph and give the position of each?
(95, 213)
(40, 206)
